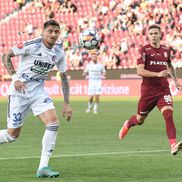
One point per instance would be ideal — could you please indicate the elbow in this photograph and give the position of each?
(6, 57)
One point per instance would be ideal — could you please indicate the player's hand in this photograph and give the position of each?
(164, 73)
(19, 86)
(67, 112)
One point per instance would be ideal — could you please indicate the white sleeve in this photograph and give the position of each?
(61, 64)
(21, 49)
(103, 69)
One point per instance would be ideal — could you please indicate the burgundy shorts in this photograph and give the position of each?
(149, 100)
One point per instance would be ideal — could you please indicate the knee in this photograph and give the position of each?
(168, 114)
(53, 126)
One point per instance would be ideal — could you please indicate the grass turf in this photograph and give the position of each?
(88, 148)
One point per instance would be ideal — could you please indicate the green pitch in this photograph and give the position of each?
(88, 148)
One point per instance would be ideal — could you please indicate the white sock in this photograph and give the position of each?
(48, 143)
(96, 107)
(5, 137)
(90, 105)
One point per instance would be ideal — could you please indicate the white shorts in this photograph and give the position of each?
(95, 87)
(20, 106)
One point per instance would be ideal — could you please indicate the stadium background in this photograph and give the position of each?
(122, 25)
(88, 148)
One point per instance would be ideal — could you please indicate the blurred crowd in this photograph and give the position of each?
(121, 24)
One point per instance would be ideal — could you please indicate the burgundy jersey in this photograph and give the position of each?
(155, 60)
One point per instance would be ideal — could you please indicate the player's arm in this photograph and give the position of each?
(173, 75)
(19, 86)
(103, 72)
(65, 87)
(141, 71)
(85, 72)
(66, 93)
(6, 58)
(61, 64)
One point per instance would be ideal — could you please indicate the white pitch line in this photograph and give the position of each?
(88, 154)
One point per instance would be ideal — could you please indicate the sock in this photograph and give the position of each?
(90, 105)
(95, 106)
(48, 144)
(5, 137)
(170, 127)
(132, 121)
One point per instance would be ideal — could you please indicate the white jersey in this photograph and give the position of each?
(35, 62)
(95, 71)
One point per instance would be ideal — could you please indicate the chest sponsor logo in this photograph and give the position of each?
(41, 67)
(158, 63)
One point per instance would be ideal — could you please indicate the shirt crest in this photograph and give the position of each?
(165, 54)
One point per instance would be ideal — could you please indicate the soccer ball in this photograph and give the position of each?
(89, 39)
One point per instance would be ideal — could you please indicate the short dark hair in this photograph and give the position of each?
(154, 26)
(51, 23)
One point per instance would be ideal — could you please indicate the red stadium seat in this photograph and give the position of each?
(12, 28)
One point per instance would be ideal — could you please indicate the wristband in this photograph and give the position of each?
(14, 77)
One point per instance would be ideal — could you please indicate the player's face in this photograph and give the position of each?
(154, 35)
(94, 58)
(50, 35)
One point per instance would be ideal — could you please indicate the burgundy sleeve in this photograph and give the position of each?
(169, 56)
(142, 56)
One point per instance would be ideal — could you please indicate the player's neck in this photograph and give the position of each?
(47, 45)
(155, 45)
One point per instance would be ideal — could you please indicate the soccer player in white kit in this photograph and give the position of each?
(37, 58)
(95, 72)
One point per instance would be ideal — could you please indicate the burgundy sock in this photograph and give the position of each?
(132, 121)
(170, 127)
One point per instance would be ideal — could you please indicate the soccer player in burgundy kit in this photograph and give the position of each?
(154, 65)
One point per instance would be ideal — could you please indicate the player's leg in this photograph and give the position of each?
(17, 110)
(96, 104)
(167, 112)
(9, 135)
(133, 121)
(144, 107)
(48, 143)
(165, 105)
(43, 107)
(91, 96)
(90, 103)
(98, 92)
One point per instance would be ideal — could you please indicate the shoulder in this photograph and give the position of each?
(24, 48)
(59, 45)
(58, 48)
(33, 42)
(165, 48)
(146, 47)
